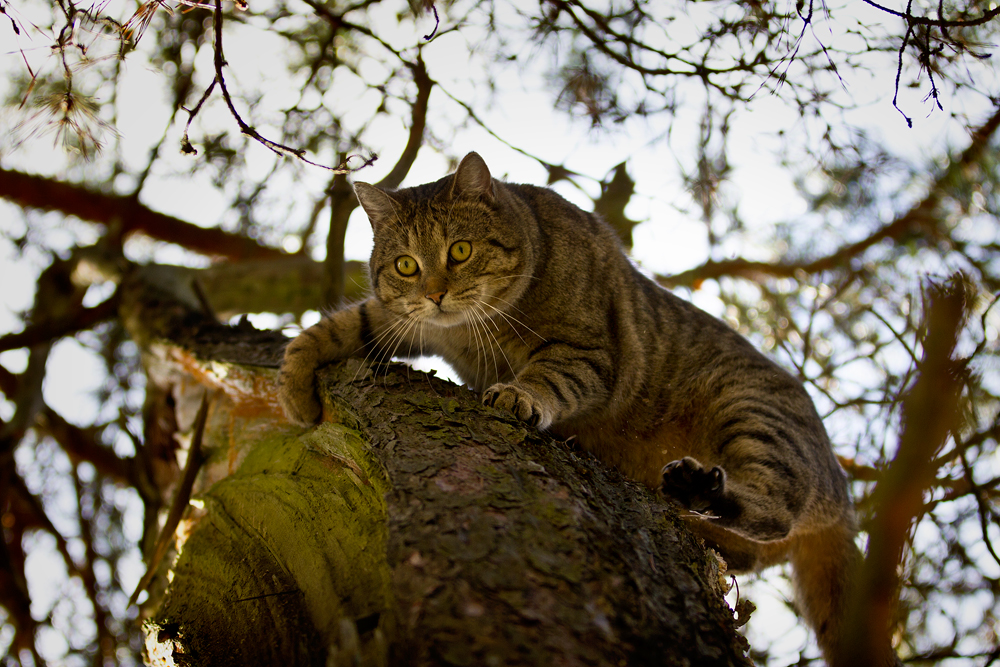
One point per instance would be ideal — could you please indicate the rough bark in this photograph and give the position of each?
(412, 526)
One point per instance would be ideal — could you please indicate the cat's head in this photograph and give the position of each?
(449, 252)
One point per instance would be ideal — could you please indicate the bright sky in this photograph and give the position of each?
(669, 242)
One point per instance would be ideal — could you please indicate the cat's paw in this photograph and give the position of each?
(297, 387)
(519, 402)
(691, 483)
(299, 402)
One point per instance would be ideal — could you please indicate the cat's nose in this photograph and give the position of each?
(436, 297)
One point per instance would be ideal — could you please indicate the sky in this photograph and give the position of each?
(668, 242)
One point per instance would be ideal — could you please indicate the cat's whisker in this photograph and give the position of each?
(507, 303)
(487, 350)
(481, 314)
(510, 277)
(487, 339)
(506, 319)
(474, 322)
(391, 333)
(471, 337)
(403, 334)
(380, 334)
(510, 318)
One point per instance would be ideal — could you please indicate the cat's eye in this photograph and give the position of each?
(406, 265)
(460, 251)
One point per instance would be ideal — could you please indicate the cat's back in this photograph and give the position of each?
(678, 371)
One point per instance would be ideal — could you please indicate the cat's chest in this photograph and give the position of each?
(484, 353)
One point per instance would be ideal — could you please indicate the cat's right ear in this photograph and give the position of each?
(472, 178)
(378, 204)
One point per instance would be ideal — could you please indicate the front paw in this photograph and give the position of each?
(297, 394)
(519, 402)
(301, 409)
(691, 483)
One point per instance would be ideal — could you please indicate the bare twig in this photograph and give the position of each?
(277, 148)
(910, 19)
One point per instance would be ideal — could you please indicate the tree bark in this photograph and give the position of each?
(412, 526)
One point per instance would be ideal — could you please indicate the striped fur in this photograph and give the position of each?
(549, 320)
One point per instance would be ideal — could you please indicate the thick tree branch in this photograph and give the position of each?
(31, 191)
(295, 284)
(416, 527)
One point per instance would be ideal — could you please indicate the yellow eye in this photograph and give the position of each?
(406, 265)
(460, 251)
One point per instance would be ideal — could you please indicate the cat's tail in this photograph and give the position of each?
(826, 565)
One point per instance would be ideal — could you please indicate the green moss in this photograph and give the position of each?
(297, 532)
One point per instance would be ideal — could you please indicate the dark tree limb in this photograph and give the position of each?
(418, 125)
(39, 192)
(938, 22)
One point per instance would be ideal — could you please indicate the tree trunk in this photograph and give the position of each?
(412, 526)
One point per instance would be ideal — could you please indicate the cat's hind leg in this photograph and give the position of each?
(758, 510)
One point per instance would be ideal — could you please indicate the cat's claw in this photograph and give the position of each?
(691, 483)
(516, 401)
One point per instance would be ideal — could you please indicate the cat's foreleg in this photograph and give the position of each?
(561, 380)
(345, 333)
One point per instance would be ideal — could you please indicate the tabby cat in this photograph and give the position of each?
(533, 303)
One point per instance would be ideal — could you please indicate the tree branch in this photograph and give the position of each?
(417, 125)
(930, 413)
(277, 148)
(921, 217)
(938, 22)
(39, 192)
(425, 524)
(48, 330)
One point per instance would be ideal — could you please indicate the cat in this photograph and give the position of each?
(534, 304)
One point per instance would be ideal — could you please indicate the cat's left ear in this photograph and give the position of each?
(473, 178)
(378, 204)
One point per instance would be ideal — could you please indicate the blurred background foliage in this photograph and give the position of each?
(807, 171)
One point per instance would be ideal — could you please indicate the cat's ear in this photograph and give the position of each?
(472, 178)
(378, 204)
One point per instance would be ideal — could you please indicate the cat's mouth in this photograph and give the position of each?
(445, 318)
(440, 316)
